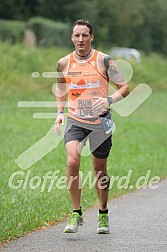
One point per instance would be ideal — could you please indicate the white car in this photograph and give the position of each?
(129, 54)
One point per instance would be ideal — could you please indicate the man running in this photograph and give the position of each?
(85, 76)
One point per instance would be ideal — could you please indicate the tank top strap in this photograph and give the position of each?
(72, 59)
(94, 57)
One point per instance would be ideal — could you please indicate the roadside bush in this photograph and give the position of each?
(50, 33)
(12, 31)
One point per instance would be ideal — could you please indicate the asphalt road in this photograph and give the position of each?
(138, 222)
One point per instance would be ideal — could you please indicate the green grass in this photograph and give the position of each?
(152, 71)
(139, 142)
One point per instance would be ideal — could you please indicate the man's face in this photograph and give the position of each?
(81, 38)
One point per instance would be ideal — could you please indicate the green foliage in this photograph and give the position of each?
(18, 9)
(12, 31)
(139, 24)
(50, 33)
(155, 64)
(17, 64)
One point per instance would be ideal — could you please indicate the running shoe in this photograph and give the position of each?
(75, 221)
(103, 227)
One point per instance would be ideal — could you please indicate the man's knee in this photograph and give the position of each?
(73, 162)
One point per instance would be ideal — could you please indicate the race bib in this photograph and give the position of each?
(107, 124)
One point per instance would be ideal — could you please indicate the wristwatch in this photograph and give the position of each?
(110, 100)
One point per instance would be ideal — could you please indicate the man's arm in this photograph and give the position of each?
(109, 68)
(60, 97)
(117, 78)
(60, 89)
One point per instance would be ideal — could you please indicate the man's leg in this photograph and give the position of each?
(102, 187)
(74, 185)
(73, 179)
(103, 181)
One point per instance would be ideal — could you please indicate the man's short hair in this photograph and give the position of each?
(83, 22)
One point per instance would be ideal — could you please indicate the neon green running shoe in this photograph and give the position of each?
(75, 221)
(103, 227)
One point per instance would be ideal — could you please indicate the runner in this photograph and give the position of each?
(86, 76)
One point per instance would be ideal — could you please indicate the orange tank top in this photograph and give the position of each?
(84, 82)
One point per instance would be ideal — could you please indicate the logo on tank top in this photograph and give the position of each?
(70, 73)
(85, 107)
(87, 84)
(75, 94)
(92, 63)
(73, 65)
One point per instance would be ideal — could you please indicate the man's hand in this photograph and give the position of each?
(100, 105)
(59, 120)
